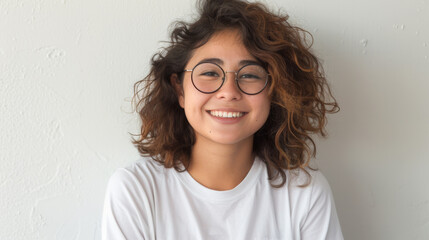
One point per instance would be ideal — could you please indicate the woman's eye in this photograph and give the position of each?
(210, 74)
(249, 76)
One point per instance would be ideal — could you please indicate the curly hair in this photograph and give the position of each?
(299, 93)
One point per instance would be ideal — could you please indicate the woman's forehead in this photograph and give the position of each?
(226, 45)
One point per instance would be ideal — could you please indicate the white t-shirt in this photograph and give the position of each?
(147, 201)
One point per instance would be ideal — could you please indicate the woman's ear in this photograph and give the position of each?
(178, 87)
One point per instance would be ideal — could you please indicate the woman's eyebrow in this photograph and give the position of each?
(221, 62)
(247, 62)
(212, 60)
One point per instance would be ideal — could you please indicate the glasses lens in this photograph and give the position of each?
(207, 77)
(252, 79)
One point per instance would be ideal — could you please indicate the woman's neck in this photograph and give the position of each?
(221, 166)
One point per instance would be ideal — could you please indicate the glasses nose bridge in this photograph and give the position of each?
(235, 74)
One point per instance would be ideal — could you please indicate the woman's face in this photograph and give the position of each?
(208, 113)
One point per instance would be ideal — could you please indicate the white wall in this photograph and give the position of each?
(66, 75)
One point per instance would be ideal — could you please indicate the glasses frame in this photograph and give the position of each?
(224, 77)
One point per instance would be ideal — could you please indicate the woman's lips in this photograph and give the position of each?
(226, 114)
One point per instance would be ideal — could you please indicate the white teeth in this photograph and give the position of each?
(226, 114)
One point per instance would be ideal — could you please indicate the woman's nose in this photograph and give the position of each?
(229, 90)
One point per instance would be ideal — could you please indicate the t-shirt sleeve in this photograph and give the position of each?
(321, 222)
(126, 212)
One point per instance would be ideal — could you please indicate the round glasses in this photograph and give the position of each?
(208, 77)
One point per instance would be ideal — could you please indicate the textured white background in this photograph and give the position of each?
(66, 74)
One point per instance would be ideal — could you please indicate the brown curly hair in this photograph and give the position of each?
(300, 95)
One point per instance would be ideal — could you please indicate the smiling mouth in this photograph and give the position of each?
(225, 114)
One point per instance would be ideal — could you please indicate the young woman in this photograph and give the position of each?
(227, 114)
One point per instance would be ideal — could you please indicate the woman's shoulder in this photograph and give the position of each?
(312, 178)
(314, 205)
(145, 165)
(141, 173)
(129, 200)
(308, 185)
